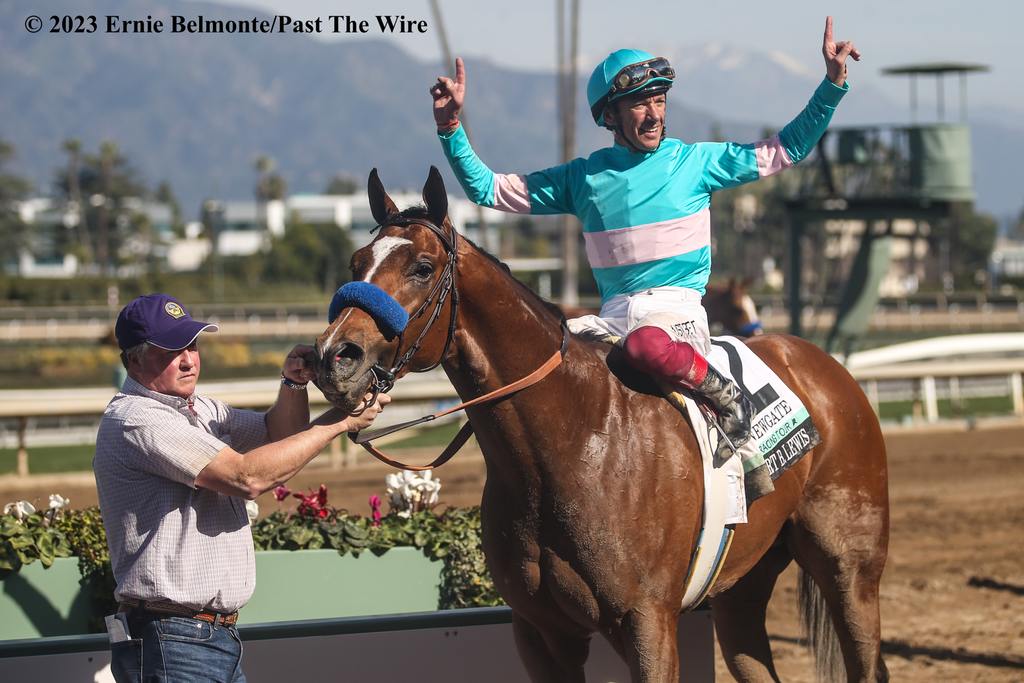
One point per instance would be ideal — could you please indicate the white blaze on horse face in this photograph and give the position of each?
(382, 248)
(327, 344)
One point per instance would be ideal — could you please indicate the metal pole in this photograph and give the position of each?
(567, 76)
(963, 97)
(913, 98)
(795, 230)
(22, 448)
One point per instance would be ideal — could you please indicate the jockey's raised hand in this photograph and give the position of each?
(836, 54)
(448, 95)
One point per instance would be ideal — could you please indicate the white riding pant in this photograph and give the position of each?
(676, 310)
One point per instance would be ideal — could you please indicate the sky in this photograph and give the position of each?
(887, 32)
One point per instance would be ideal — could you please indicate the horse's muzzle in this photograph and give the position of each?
(342, 374)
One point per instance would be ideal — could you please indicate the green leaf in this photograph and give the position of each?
(300, 535)
(21, 542)
(10, 526)
(355, 531)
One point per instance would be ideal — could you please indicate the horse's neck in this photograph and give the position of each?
(504, 331)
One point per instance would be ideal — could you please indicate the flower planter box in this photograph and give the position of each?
(38, 602)
(290, 585)
(320, 584)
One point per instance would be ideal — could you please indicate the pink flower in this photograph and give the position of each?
(281, 492)
(314, 504)
(375, 509)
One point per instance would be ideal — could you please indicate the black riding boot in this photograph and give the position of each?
(733, 408)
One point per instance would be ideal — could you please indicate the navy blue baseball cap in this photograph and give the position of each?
(160, 320)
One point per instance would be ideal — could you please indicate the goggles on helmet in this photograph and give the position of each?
(632, 78)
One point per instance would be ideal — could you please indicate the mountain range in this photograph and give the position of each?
(198, 110)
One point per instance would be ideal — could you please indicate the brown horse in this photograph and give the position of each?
(592, 504)
(731, 309)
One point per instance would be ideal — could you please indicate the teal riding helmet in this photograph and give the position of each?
(625, 72)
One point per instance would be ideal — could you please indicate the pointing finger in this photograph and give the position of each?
(460, 71)
(828, 29)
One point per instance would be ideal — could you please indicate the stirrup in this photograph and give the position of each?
(723, 438)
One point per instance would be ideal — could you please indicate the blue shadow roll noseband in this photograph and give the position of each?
(387, 313)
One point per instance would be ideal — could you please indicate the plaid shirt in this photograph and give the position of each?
(170, 541)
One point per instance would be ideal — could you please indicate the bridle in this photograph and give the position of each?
(384, 379)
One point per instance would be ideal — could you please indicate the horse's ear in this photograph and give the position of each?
(381, 205)
(435, 197)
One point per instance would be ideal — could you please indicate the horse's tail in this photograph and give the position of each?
(816, 622)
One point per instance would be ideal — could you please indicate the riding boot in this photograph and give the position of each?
(733, 407)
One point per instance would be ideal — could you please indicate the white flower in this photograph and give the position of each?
(252, 510)
(410, 492)
(20, 510)
(58, 502)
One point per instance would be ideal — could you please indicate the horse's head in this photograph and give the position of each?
(398, 314)
(731, 309)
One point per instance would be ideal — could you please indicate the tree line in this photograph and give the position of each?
(97, 195)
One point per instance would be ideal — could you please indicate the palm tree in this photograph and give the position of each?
(73, 148)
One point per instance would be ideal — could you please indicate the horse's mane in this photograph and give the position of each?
(420, 212)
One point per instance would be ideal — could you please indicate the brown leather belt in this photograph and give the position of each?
(215, 618)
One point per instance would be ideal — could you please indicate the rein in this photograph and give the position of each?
(384, 379)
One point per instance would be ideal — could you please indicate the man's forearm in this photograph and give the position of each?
(289, 414)
(263, 468)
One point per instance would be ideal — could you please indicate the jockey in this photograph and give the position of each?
(644, 205)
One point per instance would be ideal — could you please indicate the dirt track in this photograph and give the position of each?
(953, 590)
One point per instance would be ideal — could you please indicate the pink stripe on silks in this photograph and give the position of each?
(510, 193)
(650, 242)
(771, 156)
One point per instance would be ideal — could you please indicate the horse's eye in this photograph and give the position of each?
(423, 270)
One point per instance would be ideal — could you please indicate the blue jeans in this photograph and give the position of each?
(169, 649)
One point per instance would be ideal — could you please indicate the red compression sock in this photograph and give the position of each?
(650, 349)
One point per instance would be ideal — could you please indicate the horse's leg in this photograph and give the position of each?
(842, 547)
(550, 657)
(739, 615)
(650, 645)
